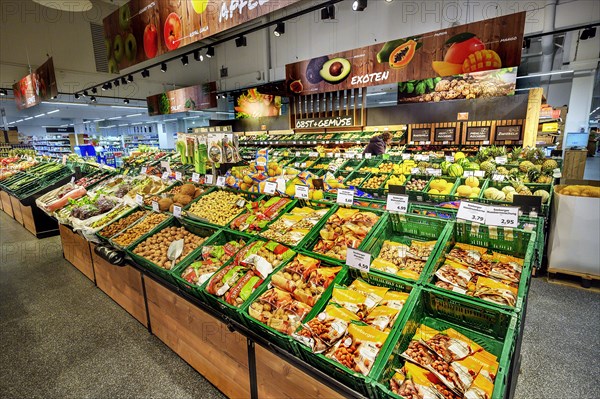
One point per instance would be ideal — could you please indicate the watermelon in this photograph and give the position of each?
(444, 167)
(455, 170)
(462, 162)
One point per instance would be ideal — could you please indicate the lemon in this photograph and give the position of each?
(199, 5)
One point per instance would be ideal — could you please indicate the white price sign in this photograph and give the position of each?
(345, 197)
(72, 179)
(165, 175)
(397, 203)
(270, 187)
(349, 155)
(144, 170)
(479, 173)
(221, 181)
(472, 212)
(64, 159)
(505, 216)
(359, 156)
(418, 157)
(358, 259)
(405, 157)
(428, 142)
(177, 175)
(139, 199)
(329, 155)
(301, 192)
(337, 155)
(313, 154)
(176, 211)
(468, 173)
(486, 142)
(501, 160)
(449, 158)
(433, 172)
(195, 177)
(155, 206)
(497, 177)
(368, 155)
(209, 179)
(297, 153)
(415, 171)
(165, 165)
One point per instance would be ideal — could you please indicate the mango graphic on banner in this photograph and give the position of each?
(199, 5)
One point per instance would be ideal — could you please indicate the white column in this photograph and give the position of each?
(580, 103)
(165, 138)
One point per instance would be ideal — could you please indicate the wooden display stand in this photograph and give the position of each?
(6, 205)
(76, 250)
(201, 340)
(37, 222)
(123, 284)
(16, 207)
(574, 164)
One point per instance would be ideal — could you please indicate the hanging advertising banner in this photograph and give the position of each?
(252, 105)
(36, 87)
(143, 29)
(479, 46)
(193, 98)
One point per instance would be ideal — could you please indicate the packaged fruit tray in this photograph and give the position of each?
(481, 264)
(233, 285)
(214, 254)
(344, 314)
(415, 186)
(468, 189)
(501, 193)
(345, 227)
(406, 246)
(151, 252)
(487, 334)
(219, 207)
(258, 214)
(355, 179)
(439, 189)
(277, 308)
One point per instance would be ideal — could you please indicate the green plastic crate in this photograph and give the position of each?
(494, 329)
(159, 226)
(369, 163)
(133, 210)
(286, 208)
(403, 229)
(351, 163)
(350, 378)
(461, 181)
(417, 195)
(202, 231)
(356, 175)
(532, 186)
(519, 243)
(440, 197)
(375, 192)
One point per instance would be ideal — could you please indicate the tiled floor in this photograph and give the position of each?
(592, 169)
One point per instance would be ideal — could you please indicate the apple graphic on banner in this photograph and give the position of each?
(130, 47)
(118, 48)
(108, 45)
(112, 66)
(124, 16)
(199, 5)
(172, 31)
(150, 41)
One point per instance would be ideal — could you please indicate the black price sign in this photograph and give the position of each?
(420, 134)
(512, 133)
(478, 133)
(395, 189)
(445, 134)
(528, 203)
(318, 184)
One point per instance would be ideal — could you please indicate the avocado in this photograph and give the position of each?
(313, 68)
(336, 70)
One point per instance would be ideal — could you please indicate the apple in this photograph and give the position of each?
(199, 5)
(118, 48)
(172, 31)
(150, 41)
(130, 47)
(124, 16)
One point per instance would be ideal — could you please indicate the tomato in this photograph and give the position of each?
(458, 52)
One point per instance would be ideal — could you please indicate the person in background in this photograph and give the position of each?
(378, 144)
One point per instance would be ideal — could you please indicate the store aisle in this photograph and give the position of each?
(62, 337)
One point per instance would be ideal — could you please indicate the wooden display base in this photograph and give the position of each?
(201, 340)
(123, 284)
(76, 250)
(38, 223)
(6, 205)
(16, 208)
(574, 279)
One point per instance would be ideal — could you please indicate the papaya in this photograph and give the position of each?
(386, 50)
(403, 54)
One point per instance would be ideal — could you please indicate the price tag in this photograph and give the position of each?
(301, 192)
(405, 157)
(358, 259)
(329, 155)
(472, 212)
(313, 154)
(418, 157)
(296, 164)
(486, 142)
(428, 142)
(415, 171)
(424, 157)
(314, 143)
(293, 142)
(445, 142)
(368, 155)
(165, 165)
(397, 203)
(297, 153)
(177, 211)
(221, 181)
(72, 179)
(155, 207)
(556, 173)
(348, 155)
(64, 160)
(270, 187)
(359, 156)
(345, 197)
(505, 216)
(411, 143)
(144, 170)
(281, 184)
(165, 175)
(468, 173)
(449, 158)
(501, 160)
(209, 179)
(177, 175)
(337, 155)
(434, 172)
(139, 199)
(195, 177)
(479, 173)
(497, 177)
(240, 203)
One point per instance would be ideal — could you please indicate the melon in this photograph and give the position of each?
(510, 196)
(455, 170)
(463, 191)
(508, 189)
(472, 181)
(489, 192)
(498, 196)
(544, 194)
(459, 155)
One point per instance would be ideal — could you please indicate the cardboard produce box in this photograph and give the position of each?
(574, 243)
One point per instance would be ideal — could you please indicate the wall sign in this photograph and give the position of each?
(338, 121)
(445, 134)
(36, 87)
(70, 129)
(508, 133)
(478, 133)
(193, 98)
(446, 52)
(420, 134)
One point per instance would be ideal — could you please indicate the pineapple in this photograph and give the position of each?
(549, 165)
(524, 166)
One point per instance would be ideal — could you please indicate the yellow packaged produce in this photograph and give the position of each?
(373, 293)
(382, 317)
(495, 291)
(359, 349)
(395, 299)
(218, 207)
(351, 300)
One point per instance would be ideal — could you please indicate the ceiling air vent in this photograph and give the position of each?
(100, 55)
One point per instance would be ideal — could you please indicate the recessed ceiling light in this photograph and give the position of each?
(114, 118)
(132, 115)
(26, 119)
(163, 67)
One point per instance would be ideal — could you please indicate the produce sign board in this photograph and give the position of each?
(253, 105)
(193, 98)
(144, 29)
(508, 133)
(36, 87)
(478, 133)
(486, 45)
(445, 134)
(420, 135)
(338, 121)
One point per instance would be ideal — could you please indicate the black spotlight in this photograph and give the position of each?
(85, 93)
(240, 41)
(198, 56)
(526, 43)
(279, 29)
(163, 67)
(588, 33)
(328, 12)
(93, 99)
(94, 90)
(123, 81)
(126, 100)
(117, 83)
(184, 60)
(130, 78)
(210, 52)
(3, 92)
(109, 86)
(359, 5)
(104, 87)
(76, 96)
(145, 73)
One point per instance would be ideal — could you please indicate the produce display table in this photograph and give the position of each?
(6, 205)
(76, 250)
(16, 207)
(37, 222)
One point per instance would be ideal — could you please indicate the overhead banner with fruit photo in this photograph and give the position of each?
(193, 98)
(479, 46)
(37, 86)
(143, 29)
(252, 105)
